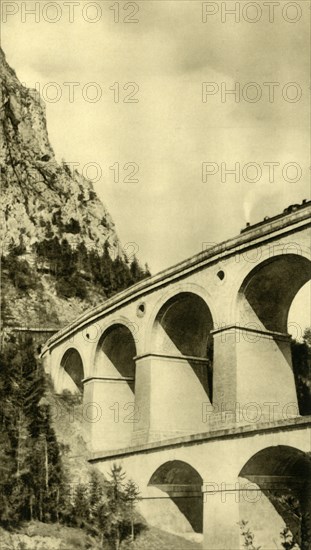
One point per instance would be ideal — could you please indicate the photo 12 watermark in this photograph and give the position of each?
(70, 12)
(90, 92)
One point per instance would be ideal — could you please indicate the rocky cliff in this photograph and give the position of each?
(45, 205)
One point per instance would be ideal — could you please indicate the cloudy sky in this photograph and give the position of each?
(150, 90)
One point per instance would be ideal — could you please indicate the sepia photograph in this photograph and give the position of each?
(155, 214)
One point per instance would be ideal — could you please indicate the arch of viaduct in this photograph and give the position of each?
(187, 379)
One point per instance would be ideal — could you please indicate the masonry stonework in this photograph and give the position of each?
(188, 374)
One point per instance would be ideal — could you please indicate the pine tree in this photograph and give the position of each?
(131, 493)
(136, 271)
(121, 273)
(81, 504)
(6, 476)
(96, 494)
(115, 516)
(107, 275)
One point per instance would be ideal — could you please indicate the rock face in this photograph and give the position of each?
(43, 202)
(41, 198)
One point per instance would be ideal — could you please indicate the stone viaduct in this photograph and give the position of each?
(187, 380)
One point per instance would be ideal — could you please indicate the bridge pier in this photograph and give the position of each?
(221, 516)
(108, 412)
(253, 377)
(170, 391)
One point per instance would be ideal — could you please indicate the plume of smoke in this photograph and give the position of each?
(260, 198)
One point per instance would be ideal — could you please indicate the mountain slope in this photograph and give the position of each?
(40, 198)
(59, 244)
